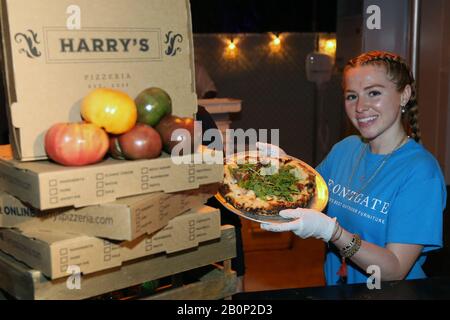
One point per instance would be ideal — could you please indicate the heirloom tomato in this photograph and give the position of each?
(76, 144)
(141, 142)
(170, 137)
(110, 109)
(152, 105)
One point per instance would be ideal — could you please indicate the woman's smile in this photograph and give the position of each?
(365, 122)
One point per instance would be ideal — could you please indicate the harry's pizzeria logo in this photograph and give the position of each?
(74, 43)
(60, 45)
(103, 45)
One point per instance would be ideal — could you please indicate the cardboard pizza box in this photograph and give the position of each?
(46, 185)
(57, 253)
(54, 52)
(124, 219)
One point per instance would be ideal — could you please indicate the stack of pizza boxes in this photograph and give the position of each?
(55, 218)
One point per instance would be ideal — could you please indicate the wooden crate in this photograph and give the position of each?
(21, 282)
(212, 282)
(217, 284)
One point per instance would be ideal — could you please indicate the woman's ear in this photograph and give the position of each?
(405, 95)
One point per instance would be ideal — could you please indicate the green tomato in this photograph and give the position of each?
(152, 105)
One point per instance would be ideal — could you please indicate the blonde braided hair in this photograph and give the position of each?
(401, 75)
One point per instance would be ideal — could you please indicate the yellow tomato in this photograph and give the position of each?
(110, 109)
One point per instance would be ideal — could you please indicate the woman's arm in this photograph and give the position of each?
(395, 261)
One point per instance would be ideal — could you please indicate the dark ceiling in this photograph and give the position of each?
(236, 16)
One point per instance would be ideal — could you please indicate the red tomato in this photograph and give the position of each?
(141, 142)
(186, 138)
(76, 144)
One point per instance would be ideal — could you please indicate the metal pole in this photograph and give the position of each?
(415, 36)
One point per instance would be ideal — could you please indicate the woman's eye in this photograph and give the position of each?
(374, 93)
(350, 97)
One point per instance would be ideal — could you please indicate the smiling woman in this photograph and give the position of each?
(384, 165)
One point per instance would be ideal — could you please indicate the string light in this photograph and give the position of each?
(231, 45)
(327, 45)
(231, 48)
(330, 45)
(276, 40)
(275, 44)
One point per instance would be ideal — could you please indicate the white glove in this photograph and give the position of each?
(269, 150)
(307, 223)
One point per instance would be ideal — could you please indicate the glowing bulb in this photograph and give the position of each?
(277, 41)
(330, 44)
(231, 49)
(275, 44)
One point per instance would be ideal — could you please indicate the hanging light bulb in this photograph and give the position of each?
(275, 44)
(276, 40)
(231, 48)
(327, 45)
(330, 46)
(231, 45)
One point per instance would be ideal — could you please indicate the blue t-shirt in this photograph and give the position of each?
(403, 203)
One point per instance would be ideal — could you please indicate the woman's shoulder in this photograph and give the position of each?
(421, 161)
(416, 151)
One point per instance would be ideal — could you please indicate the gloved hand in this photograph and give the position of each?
(269, 150)
(307, 223)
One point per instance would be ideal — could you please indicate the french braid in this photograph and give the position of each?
(399, 73)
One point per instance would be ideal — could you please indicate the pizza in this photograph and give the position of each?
(267, 185)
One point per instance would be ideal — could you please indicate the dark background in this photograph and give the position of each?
(246, 16)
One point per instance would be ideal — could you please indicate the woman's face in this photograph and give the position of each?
(373, 103)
